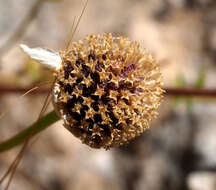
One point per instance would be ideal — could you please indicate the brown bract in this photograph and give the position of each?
(107, 90)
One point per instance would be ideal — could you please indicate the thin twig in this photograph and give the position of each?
(196, 92)
(14, 89)
(193, 92)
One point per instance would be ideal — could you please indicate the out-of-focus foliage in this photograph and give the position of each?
(181, 82)
(34, 73)
(200, 82)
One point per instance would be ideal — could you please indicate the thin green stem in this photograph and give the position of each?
(42, 124)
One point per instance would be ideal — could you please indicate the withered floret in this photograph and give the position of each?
(107, 90)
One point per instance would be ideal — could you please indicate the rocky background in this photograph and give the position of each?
(177, 153)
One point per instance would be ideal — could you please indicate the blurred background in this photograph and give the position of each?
(177, 153)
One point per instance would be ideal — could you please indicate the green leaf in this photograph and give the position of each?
(180, 81)
(200, 82)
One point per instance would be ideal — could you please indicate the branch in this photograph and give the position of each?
(192, 92)
(189, 92)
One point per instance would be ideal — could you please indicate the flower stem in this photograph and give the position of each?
(42, 124)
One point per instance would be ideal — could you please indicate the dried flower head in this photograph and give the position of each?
(107, 90)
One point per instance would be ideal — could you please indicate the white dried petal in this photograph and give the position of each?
(48, 58)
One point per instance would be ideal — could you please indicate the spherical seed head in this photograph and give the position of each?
(107, 90)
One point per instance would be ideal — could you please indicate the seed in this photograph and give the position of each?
(97, 118)
(79, 62)
(85, 70)
(95, 106)
(67, 69)
(95, 77)
(92, 55)
(104, 57)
